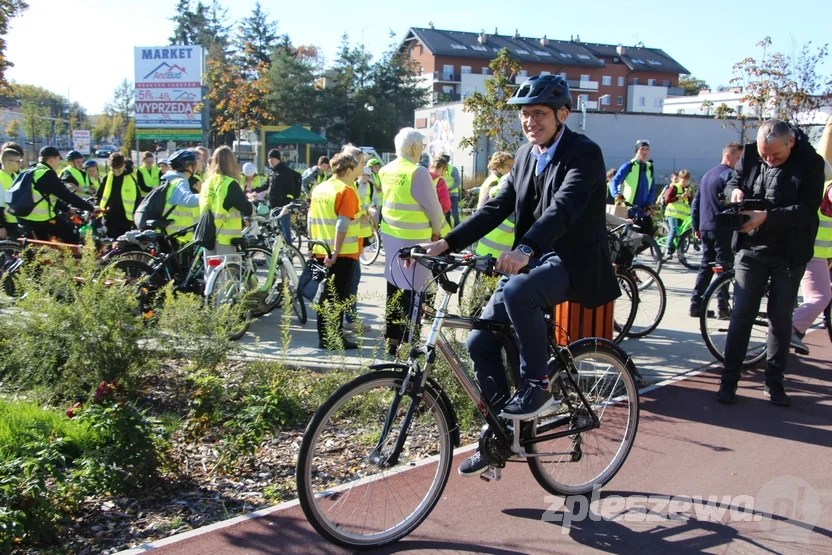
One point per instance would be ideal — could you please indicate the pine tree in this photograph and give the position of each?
(256, 38)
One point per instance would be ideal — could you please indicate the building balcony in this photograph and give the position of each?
(442, 77)
(675, 91)
(442, 97)
(577, 85)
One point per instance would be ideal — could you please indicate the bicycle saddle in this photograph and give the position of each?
(158, 224)
(240, 242)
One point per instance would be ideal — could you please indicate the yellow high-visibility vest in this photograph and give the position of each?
(501, 239)
(129, 194)
(453, 186)
(151, 178)
(6, 182)
(229, 223)
(182, 216)
(823, 240)
(323, 219)
(43, 210)
(403, 216)
(628, 191)
(679, 209)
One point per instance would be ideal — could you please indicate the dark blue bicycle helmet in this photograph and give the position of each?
(90, 164)
(73, 155)
(181, 159)
(548, 90)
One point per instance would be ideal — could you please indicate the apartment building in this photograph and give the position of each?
(614, 78)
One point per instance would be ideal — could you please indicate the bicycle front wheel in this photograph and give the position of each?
(689, 252)
(351, 494)
(715, 318)
(650, 254)
(652, 301)
(227, 294)
(576, 464)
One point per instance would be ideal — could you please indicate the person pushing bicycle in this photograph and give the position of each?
(557, 189)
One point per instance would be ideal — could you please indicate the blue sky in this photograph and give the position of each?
(92, 41)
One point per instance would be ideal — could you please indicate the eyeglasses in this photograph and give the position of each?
(537, 115)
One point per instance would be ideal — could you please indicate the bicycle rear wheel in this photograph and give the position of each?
(10, 260)
(652, 301)
(578, 463)
(714, 320)
(372, 248)
(346, 489)
(624, 311)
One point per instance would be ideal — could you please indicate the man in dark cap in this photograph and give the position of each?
(284, 187)
(52, 199)
(74, 176)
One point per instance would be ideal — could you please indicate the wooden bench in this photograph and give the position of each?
(573, 322)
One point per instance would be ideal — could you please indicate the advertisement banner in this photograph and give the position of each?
(168, 87)
(155, 134)
(81, 140)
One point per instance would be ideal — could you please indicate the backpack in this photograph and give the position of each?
(152, 206)
(20, 200)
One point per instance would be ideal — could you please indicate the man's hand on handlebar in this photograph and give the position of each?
(512, 262)
(737, 195)
(431, 249)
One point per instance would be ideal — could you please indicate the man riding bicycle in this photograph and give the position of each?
(557, 189)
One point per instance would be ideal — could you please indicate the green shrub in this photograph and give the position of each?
(65, 335)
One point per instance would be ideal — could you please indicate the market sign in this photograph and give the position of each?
(168, 89)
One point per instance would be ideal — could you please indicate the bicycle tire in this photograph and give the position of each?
(661, 234)
(148, 282)
(827, 320)
(689, 252)
(296, 257)
(643, 327)
(286, 284)
(713, 335)
(370, 253)
(622, 400)
(468, 306)
(324, 487)
(629, 295)
(9, 260)
(260, 260)
(296, 236)
(654, 259)
(229, 289)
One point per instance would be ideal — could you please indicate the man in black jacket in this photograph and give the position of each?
(284, 187)
(716, 243)
(774, 244)
(557, 190)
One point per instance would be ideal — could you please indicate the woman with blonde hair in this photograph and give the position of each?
(499, 165)
(333, 208)
(223, 195)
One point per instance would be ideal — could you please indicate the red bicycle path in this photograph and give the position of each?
(688, 446)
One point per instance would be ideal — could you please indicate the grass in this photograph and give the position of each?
(23, 422)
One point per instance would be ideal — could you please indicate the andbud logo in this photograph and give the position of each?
(786, 508)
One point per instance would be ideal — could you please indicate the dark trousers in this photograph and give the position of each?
(753, 271)
(453, 213)
(716, 247)
(60, 227)
(117, 225)
(398, 312)
(339, 275)
(518, 300)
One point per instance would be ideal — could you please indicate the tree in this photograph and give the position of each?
(692, 85)
(237, 99)
(292, 96)
(9, 9)
(14, 129)
(256, 38)
(396, 93)
(786, 87)
(493, 117)
(121, 107)
(129, 138)
(101, 128)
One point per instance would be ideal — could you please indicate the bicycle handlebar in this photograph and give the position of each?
(313, 242)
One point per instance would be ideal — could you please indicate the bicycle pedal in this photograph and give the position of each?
(491, 474)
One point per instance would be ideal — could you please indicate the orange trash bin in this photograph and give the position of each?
(573, 322)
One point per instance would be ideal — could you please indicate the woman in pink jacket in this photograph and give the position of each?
(438, 167)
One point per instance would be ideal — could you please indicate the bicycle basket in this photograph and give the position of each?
(622, 256)
(632, 240)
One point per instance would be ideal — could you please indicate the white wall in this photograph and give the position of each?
(651, 96)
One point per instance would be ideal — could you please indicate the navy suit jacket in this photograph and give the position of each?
(573, 223)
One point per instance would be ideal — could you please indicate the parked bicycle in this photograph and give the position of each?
(686, 245)
(377, 454)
